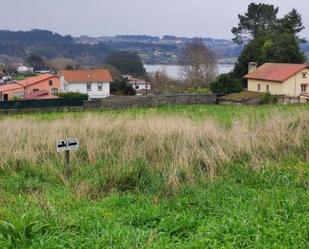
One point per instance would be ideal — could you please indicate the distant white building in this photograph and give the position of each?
(24, 69)
(94, 82)
(139, 85)
(3, 77)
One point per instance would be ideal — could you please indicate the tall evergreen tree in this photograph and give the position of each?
(259, 20)
(268, 38)
(292, 23)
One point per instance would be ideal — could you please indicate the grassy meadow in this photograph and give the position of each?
(169, 177)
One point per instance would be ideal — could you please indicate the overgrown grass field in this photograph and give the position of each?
(169, 177)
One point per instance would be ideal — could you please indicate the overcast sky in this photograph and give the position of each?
(207, 18)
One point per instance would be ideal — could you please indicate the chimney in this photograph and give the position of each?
(252, 67)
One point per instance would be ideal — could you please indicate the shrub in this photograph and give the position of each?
(73, 95)
(225, 83)
(14, 98)
(161, 83)
(24, 76)
(200, 90)
(267, 98)
(121, 86)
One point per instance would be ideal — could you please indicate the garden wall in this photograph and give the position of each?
(293, 100)
(150, 101)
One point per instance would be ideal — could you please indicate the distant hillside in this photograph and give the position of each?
(91, 50)
(49, 45)
(162, 50)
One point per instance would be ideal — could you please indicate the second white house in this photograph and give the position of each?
(94, 82)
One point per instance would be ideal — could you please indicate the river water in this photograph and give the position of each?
(174, 71)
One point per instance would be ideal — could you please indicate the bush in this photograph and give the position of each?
(162, 84)
(24, 76)
(201, 90)
(267, 98)
(225, 83)
(121, 86)
(15, 98)
(73, 95)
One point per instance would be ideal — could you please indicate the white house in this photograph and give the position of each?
(24, 69)
(94, 82)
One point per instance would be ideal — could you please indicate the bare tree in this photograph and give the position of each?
(162, 84)
(198, 63)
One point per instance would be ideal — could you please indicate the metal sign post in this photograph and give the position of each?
(66, 146)
(67, 166)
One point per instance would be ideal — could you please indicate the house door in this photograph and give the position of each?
(5, 97)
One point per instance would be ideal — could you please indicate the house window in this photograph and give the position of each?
(267, 88)
(100, 87)
(304, 88)
(88, 87)
(50, 82)
(35, 90)
(259, 87)
(54, 91)
(304, 75)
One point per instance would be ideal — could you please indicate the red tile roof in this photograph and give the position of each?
(278, 72)
(36, 79)
(10, 87)
(87, 75)
(26, 82)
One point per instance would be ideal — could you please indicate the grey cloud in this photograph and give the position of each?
(213, 18)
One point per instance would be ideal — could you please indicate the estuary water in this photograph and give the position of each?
(173, 71)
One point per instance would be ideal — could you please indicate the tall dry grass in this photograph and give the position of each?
(177, 149)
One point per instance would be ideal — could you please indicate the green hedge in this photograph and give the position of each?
(73, 95)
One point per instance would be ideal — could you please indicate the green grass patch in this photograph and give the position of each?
(243, 209)
(116, 200)
(225, 114)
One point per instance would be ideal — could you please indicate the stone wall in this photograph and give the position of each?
(150, 101)
(253, 101)
(293, 100)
